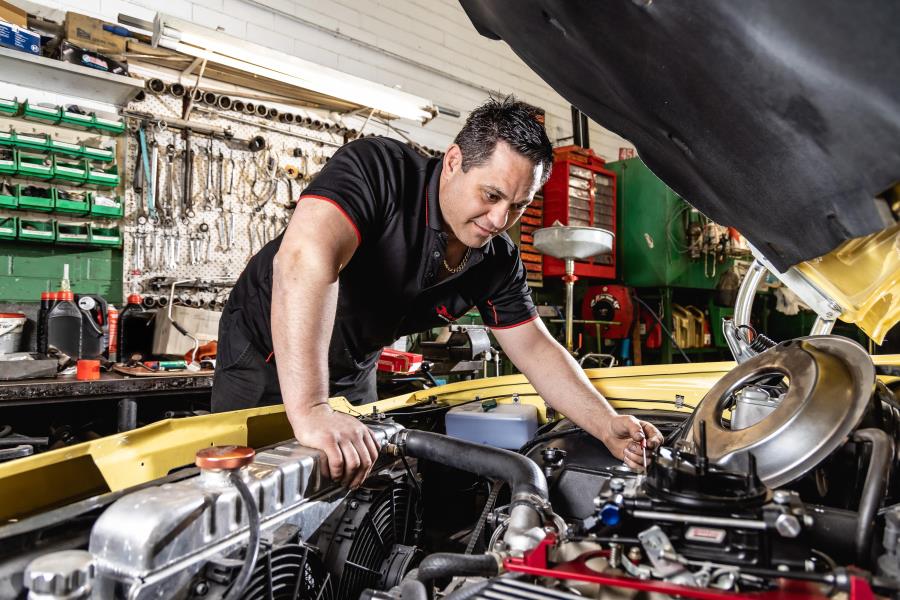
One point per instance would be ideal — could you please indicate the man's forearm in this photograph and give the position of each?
(561, 382)
(304, 297)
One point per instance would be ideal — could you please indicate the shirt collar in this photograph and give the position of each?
(433, 217)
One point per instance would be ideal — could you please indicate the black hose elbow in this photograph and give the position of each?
(523, 475)
(873, 488)
(445, 564)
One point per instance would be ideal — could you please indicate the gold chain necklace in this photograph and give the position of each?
(460, 266)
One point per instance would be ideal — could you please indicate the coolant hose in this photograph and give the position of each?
(252, 553)
(523, 475)
(527, 483)
(873, 488)
(413, 590)
(447, 564)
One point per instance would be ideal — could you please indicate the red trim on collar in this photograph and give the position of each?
(340, 208)
(528, 320)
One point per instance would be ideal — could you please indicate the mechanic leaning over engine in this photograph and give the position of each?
(383, 243)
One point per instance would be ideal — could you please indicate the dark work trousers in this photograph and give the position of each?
(245, 379)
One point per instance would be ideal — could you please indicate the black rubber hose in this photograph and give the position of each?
(446, 564)
(873, 488)
(252, 553)
(522, 475)
(470, 591)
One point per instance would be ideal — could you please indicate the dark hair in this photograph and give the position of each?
(510, 120)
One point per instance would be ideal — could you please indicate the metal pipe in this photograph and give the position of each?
(261, 110)
(224, 102)
(237, 105)
(197, 95)
(177, 90)
(280, 130)
(747, 292)
(272, 113)
(156, 86)
(210, 98)
(653, 515)
(250, 108)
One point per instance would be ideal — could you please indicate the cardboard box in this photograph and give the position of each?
(19, 38)
(87, 32)
(203, 324)
(13, 14)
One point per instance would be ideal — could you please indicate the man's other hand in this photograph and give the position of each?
(348, 445)
(625, 437)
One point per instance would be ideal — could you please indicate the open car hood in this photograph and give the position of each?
(781, 119)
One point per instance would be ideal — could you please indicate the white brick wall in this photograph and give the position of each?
(425, 47)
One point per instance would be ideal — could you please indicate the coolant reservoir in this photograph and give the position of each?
(501, 425)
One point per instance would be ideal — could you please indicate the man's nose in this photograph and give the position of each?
(498, 216)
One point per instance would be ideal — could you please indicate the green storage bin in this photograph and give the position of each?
(8, 160)
(9, 107)
(113, 125)
(101, 154)
(103, 205)
(7, 138)
(67, 148)
(34, 141)
(100, 174)
(105, 235)
(72, 170)
(30, 199)
(34, 164)
(716, 314)
(43, 114)
(9, 195)
(72, 233)
(9, 228)
(76, 120)
(37, 230)
(73, 202)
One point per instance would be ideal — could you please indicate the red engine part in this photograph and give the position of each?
(535, 563)
(609, 303)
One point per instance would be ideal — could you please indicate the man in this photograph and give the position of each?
(384, 243)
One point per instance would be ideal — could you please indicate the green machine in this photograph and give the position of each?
(661, 241)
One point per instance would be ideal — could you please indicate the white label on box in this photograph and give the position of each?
(32, 138)
(106, 201)
(69, 169)
(109, 122)
(106, 238)
(58, 144)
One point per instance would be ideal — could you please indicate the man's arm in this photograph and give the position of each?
(317, 244)
(561, 382)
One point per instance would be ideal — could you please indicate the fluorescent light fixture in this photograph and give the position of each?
(218, 48)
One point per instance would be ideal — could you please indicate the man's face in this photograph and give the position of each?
(488, 199)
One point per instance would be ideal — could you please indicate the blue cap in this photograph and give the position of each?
(609, 514)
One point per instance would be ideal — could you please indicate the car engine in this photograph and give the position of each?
(781, 483)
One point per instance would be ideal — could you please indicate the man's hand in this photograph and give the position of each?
(625, 437)
(348, 445)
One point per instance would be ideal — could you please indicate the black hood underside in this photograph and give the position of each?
(780, 118)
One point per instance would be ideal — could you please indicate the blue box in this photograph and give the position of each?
(19, 38)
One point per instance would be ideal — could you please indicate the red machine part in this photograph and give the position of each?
(609, 303)
(399, 363)
(535, 563)
(580, 192)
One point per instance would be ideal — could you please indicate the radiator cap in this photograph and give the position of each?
(227, 458)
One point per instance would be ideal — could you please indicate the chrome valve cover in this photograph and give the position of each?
(151, 543)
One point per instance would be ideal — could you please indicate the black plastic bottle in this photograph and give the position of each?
(135, 329)
(64, 325)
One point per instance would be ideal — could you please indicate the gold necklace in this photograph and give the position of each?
(460, 266)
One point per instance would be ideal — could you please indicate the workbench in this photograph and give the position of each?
(111, 386)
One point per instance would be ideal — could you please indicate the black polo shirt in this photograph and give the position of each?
(389, 193)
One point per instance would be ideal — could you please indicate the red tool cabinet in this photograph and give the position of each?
(580, 192)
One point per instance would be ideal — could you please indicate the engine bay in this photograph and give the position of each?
(781, 483)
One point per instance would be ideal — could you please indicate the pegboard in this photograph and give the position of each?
(224, 232)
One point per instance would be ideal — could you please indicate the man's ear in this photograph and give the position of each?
(453, 159)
